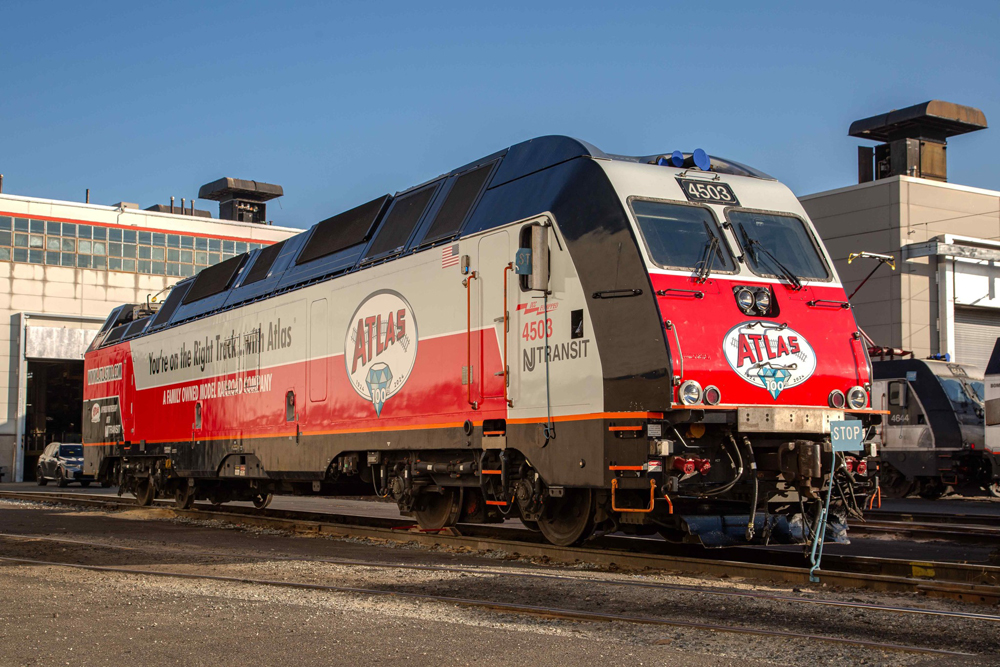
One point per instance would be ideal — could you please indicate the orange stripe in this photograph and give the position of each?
(491, 472)
(625, 468)
(624, 428)
(420, 427)
(493, 432)
(592, 415)
(496, 502)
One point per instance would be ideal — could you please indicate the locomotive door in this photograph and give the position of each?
(494, 256)
(317, 364)
(907, 425)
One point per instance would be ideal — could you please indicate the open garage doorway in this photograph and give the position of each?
(54, 400)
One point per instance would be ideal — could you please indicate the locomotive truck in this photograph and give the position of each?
(584, 341)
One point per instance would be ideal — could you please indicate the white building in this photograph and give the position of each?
(63, 267)
(945, 237)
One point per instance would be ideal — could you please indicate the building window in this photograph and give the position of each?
(93, 246)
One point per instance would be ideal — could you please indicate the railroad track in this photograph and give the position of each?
(934, 518)
(966, 582)
(506, 606)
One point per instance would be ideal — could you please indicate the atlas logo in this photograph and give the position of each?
(534, 308)
(381, 347)
(95, 413)
(771, 356)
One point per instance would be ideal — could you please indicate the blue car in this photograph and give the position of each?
(62, 464)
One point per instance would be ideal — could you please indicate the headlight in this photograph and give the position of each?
(745, 299)
(763, 301)
(712, 395)
(857, 397)
(837, 399)
(690, 393)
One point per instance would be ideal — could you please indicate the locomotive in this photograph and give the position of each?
(584, 341)
(933, 433)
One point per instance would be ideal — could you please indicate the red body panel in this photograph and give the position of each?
(703, 323)
(243, 405)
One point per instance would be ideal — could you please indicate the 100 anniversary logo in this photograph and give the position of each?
(381, 347)
(773, 357)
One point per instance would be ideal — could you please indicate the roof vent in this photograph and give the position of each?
(239, 200)
(914, 139)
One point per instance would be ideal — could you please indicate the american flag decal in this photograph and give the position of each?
(450, 256)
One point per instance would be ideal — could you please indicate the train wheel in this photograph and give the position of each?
(262, 500)
(184, 497)
(932, 489)
(994, 489)
(439, 510)
(895, 485)
(531, 525)
(144, 492)
(568, 520)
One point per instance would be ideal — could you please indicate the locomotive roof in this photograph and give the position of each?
(434, 213)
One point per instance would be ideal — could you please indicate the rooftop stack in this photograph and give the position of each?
(915, 140)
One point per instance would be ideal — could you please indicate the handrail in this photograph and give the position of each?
(680, 353)
(617, 293)
(819, 302)
(652, 498)
(506, 335)
(698, 294)
(468, 338)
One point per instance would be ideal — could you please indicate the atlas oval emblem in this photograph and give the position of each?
(770, 356)
(380, 347)
(95, 413)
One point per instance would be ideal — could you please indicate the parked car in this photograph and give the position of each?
(63, 464)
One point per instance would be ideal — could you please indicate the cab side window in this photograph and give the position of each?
(904, 409)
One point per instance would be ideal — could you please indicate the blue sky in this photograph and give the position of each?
(342, 102)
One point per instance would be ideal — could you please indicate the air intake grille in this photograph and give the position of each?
(263, 263)
(214, 279)
(343, 230)
(456, 207)
(399, 223)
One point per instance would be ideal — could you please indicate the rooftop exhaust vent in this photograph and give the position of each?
(239, 200)
(914, 139)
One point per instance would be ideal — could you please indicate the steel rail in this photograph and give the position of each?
(485, 571)
(959, 581)
(966, 533)
(569, 614)
(933, 518)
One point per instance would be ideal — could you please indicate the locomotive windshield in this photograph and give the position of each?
(966, 397)
(682, 237)
(778, 244)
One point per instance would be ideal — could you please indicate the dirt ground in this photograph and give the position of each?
(57, 615)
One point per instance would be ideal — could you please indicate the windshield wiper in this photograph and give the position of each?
(708, 259)
(785, 272)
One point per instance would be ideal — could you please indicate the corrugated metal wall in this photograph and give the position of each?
(976, 332)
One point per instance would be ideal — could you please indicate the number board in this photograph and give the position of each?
(710, 193)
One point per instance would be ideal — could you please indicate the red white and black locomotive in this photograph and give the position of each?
(577, 339)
